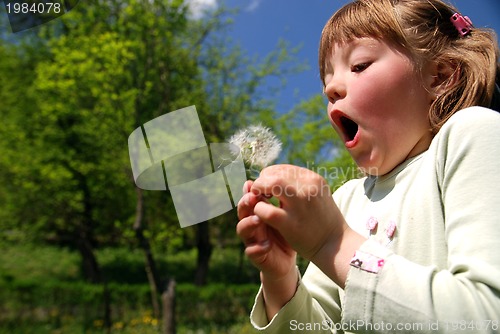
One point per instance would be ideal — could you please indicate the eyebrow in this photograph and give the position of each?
(363, 42)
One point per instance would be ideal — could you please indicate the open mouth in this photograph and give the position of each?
(349, 127)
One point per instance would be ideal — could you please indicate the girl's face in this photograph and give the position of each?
(378, 104)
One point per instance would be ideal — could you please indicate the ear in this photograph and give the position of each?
(441, 77)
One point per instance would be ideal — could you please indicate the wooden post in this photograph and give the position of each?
(168, 303)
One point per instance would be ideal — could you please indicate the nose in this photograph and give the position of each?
(335, 88)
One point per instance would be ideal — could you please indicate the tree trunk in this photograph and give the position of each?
(85, 233)
(90, 268)
(84, 240)
(168, 303)
(149, 263)
(204, 252)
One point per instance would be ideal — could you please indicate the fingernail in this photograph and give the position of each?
(256, 219)
(265, 244)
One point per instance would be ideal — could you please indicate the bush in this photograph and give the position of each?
(41, 292)
(127, 266)
(55, 303)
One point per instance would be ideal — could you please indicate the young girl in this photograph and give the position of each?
(413, 246)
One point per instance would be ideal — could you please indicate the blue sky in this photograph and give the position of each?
(261, 23)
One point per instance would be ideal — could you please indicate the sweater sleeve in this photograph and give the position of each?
(305, 312)
(465, 296)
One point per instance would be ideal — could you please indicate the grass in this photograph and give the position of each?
(48, 296)
(38, 262)
(118, 328)
(120, 265)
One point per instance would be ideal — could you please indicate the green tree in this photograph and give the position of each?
(72, 93)
(100, 72)
(101, 82)
(16, 70)
(107, 69)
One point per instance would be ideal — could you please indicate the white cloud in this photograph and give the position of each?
(253, 5)
(197, 8)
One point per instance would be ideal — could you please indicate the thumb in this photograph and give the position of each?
(270, 214)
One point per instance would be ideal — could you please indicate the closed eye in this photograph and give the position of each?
(359, 67)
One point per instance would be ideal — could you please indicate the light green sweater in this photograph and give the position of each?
(441, 271)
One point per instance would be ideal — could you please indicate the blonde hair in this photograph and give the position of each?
(424, 30)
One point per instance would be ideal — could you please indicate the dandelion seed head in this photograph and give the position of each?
(257, 144)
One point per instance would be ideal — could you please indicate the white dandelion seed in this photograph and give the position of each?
(259, 147)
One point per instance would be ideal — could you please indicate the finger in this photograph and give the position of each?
(252, 230)
(278, 182)
(257, 253)
(272, 186)
(270, 214)
(247, 186)
(246, 205)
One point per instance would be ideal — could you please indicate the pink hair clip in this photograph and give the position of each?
(462, 23)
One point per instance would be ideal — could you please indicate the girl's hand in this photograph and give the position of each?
(265, 247)
(307, 217)
(269, 252)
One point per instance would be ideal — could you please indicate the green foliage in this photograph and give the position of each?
(127, 266)
(106, 68)
(54, 303)
(37, 262)
(79, 85)
(122, 265)
(40, 289)
(72, 91)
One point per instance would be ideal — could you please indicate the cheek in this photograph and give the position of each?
(388, 97)
(374, 98)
